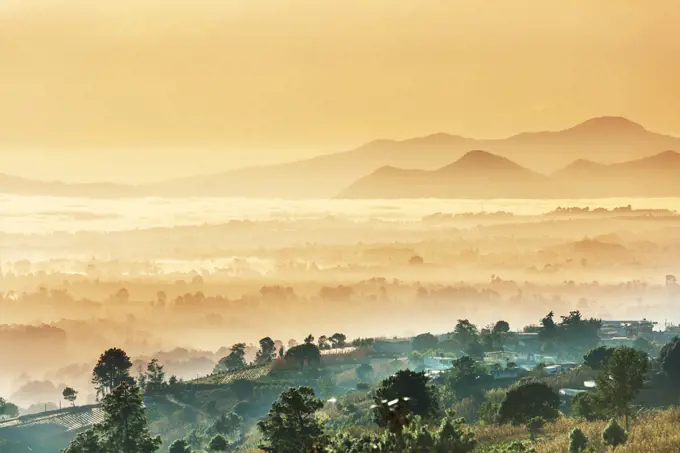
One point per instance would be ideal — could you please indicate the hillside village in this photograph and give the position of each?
(469, 371)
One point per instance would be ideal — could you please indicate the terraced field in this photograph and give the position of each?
(251, 373)
(72, 419)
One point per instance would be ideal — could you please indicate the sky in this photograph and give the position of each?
(144, 90)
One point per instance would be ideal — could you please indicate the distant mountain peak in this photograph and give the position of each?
(608, 125)
(482, 159)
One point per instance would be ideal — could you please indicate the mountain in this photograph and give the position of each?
(604, 139)
(478, 174)
(22, 186)
(654, 176)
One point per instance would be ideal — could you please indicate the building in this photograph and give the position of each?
(610, 329)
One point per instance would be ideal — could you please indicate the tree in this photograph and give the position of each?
(179, 446)
(364, 372)
(242, 388)
(218, 443)
(307, 353)
(155, 376)
(425, 342)
(8, 409)
(309, 339)
(411, 392)
(70, 395)
(323, 342)
(338, 340)
(578, 442)
(614, 435)
(670, 359)
(526, 401)
(596, 358)
(228, 425)
(86, 442)
(465, 332)
(501, 327)
(622, 378)
(291, 426)
(266, 352)
(467, 378)
(236, 358)
(589, 405)
(124, 428)
(535, 425)
(112, 369)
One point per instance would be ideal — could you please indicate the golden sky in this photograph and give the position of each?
(134, 90)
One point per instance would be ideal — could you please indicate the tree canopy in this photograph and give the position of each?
(291, 426)
(533, 399)
(112, 369)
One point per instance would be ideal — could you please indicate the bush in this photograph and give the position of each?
(534, 426)
(578, 441)
(614, 435)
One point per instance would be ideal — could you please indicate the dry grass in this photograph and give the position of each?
(657, 432)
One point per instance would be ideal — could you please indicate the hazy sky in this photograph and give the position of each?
(132, 90)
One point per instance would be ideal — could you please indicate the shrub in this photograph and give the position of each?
(614, 435)
(578, 441)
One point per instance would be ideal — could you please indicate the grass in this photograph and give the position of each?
(653, 432)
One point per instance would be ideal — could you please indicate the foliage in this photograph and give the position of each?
(596, 358)
(228, 425)
(70, 395)
(291, 426)
(529, 400)
(112, 369)
(124, 428)
(670, 359)
(86, 442)
(154, 376)
(218, 443)
(364, 372)
(622, 378)
(266, 352)
(578, 441)
(307, 353)
(236, 358)
(8, 409)
(614, 435)
(501, 327)
(406, 392)
(425, 342)
(467, 378)
(465, 332)
(179, 446)
(534, 425)
(339, 340)
(589, 405)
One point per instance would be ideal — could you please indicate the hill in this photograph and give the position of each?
(653, 176)
(605, 139)
(480, 174)
(477, 174)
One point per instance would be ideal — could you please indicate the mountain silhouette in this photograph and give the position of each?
(606, 140)
(480, 174)
(653, 176)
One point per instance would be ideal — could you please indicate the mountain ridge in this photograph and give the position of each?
(498, 177)
(604, 139)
